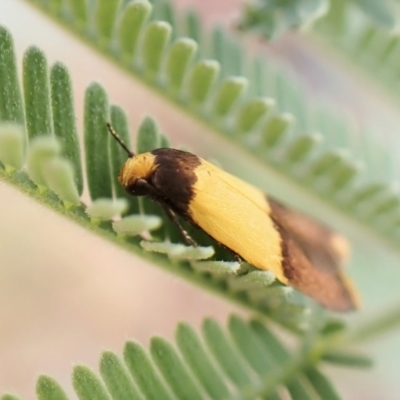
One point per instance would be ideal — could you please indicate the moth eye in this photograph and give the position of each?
(138, 188)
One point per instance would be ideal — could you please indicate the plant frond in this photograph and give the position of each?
(371, 48)
(271, 18)
(39, 154)
(51, 172)
(244, 361)
(207, 75)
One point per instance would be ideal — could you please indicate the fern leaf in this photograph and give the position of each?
(283, 137)
(242, 362)
(53, 164)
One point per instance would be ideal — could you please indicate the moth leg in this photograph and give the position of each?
(158, 199)
(174, 219)
(237, 258)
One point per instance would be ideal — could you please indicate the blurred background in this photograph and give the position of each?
(66, 295)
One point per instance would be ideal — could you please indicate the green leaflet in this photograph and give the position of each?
(207, 364)
(296, 138)
(272, 18)
(53, 165)
(341, 175)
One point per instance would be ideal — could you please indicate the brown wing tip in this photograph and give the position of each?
(353, 294)
(341, 246)
(343, 298)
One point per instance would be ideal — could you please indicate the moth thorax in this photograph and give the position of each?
(137, 167)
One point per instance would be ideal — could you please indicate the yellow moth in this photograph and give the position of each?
(299, 251)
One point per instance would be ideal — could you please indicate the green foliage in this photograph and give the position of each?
(272, 120)
(368, 45)
(245, 361)
(96, 142)
(64, 125)
(258, 107)
(12, 142)
(11, 109)
(52, 162)
(271, 18)
(36, 93)
(48, 389)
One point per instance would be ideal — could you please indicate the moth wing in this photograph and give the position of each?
(313, 258)
(299, 251)
(318, 241)
(222, 207)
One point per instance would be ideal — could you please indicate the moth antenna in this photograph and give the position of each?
(119, 140)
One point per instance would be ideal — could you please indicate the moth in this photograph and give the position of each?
(300, 252)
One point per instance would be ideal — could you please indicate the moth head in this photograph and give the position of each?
(136, 172)
(137, 169)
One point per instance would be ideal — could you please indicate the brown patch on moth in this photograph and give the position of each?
(310, 262)
(174, 177)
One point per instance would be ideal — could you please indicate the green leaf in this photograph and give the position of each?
(173, 370)
(226, 355)
(12, 143)
(193, 26)
(148, 138)
(322, 385)
(229, 93)
(132, 21)
(178, 59)
(49, 389)
(56, 7)
(379, 12)
(252, 113)
(194, 354)
(10, 397)
(347, 359)
(333, 326)
(369, 192)
(64, 125)
(252, 280)
(115, 376)
(269, 18)
(216, 268)
(298, 390)
(105, 18)
(325, 163)
(136, 224)
(386, 205)
(340, 172)
(165, 11)
(144, 373)
(106, 209)
(277, 350)
(36, 93)
(343, 174)
(155, 41)
(42, 149)
(179, 251)
(87, 385)
(202, 76)
(11, 108)
(275, 129)
(266, 78)
(96, 142)
(79, 10)
(300, 148)
(250, 346)
(59, 177)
